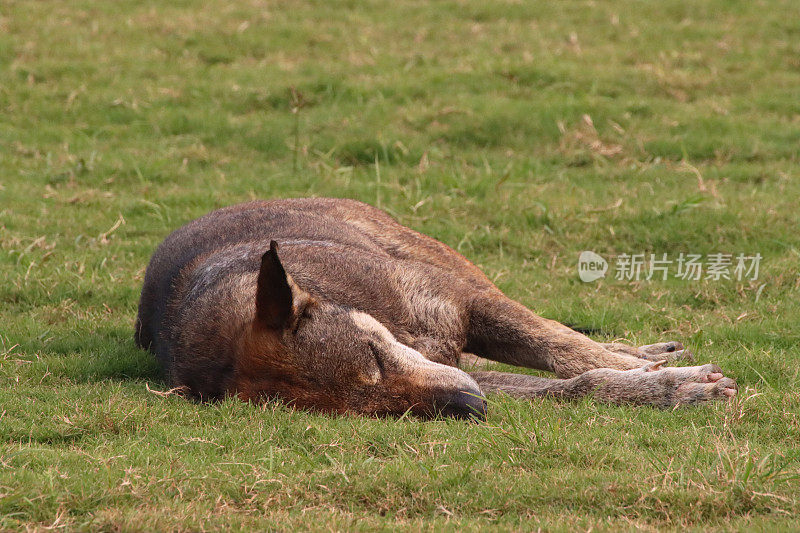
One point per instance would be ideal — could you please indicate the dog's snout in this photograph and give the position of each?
(463, 404)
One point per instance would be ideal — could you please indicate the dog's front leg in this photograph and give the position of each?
(504, 330)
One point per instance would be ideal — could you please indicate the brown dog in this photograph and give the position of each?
(361, 314)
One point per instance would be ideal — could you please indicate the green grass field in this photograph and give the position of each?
(520, 133)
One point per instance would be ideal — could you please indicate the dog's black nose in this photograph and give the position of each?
(464, 404)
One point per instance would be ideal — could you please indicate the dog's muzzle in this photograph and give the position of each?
(463, 404)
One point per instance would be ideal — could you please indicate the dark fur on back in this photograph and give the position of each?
(321, 222)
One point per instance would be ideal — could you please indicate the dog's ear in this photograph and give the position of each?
(274, 298)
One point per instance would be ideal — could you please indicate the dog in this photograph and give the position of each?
(331, 305)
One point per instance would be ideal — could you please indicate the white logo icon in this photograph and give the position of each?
(591, 266)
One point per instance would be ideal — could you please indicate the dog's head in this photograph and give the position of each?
(318, 355)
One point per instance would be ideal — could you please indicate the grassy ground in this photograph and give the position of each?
(518, 132)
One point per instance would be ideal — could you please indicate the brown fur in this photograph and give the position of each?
(332, 305)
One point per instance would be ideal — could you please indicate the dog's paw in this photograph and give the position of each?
(661, 387)
(688, 385)
(669, 351)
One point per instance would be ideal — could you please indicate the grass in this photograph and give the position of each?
(520, 133)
